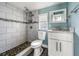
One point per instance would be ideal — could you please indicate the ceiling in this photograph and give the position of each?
(33, 5)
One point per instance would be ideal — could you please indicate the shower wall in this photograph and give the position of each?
(11, 33)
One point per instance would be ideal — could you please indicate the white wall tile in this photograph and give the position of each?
(11, 33)
(2, 45)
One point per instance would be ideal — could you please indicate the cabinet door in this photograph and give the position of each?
(53, 47)
(66, 48)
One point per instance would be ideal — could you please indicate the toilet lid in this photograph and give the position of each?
(36, 42)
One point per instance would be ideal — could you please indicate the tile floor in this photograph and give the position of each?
(18, 49)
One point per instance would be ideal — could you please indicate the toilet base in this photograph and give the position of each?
(38, 51)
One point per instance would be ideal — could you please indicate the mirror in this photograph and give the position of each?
(58, 16)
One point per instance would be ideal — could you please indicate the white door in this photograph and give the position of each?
(53, 47)
(66, 48)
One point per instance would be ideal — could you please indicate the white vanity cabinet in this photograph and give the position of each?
(60, 44)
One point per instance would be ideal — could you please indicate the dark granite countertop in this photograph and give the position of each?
(14, 51)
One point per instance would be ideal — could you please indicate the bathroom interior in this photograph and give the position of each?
(39, 28)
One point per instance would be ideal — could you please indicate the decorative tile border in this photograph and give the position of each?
(9, 20)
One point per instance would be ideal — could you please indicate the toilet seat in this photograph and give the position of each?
(36, 43)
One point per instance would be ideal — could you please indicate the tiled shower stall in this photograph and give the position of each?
(14, 33)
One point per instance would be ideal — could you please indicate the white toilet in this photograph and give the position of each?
(36, 45)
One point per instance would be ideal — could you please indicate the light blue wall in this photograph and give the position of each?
(52, 8)
(74, 22)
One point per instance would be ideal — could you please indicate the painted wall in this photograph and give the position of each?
(74, 23)
(11, 33)
(52, 8)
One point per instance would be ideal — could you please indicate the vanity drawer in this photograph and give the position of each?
(52, 35)
(61, 36)
(65, 36)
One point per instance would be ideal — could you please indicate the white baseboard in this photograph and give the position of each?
(43, 45)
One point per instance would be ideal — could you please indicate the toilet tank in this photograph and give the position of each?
(41, 35)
